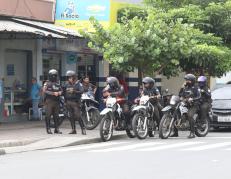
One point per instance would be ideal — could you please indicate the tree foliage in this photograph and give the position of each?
(183, 36)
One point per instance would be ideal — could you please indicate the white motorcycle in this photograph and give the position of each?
(144, 122)
(89, 112)
(114, 118)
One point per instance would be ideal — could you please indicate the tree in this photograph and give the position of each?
(159, 45)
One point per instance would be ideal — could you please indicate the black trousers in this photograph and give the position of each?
(204, 109)
(75, 114)
(52, 109)
(192, 111)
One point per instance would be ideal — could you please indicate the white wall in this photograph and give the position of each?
(173, 84)
(19, 60)
(21, 44)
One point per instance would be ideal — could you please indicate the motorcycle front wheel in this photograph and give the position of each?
(140, 128)
(165, 126)
(94, 119)
(106, 128)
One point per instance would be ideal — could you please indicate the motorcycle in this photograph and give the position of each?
(90, 114)
(114, 118)
(143, 121)
(175, 116)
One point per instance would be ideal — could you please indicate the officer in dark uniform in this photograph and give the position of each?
(206, 100)
(150, 90)
(72, 91)
(189, 90)
(52, 91)
(114, 89)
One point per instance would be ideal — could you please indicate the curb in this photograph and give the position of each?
(17, 143)
(81, 142)
(94, 140)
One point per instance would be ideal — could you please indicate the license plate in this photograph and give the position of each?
(224, 119)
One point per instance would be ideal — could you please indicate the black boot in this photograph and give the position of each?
(73, 127)
(175, 133)
(191, 135)
(82, 127)
(57, 131)
(73, 132)
(48, 126)
(151, 133)
(192, 129)
(49, 131)
(84, 131)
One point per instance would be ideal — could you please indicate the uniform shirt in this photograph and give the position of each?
(189, 91)
(115, 92)
(35, 91)
(50, 88)
(74, 91)
(205, 94)
(151, 92)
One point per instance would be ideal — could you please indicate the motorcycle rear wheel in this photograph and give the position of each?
(105, 131)
(94, 119)
(202, 129)
(139, 129)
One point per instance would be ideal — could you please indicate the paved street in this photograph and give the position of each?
(176, 158)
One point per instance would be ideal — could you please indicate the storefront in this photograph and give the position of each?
(21, 58)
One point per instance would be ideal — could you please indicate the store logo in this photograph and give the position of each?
(70, 11)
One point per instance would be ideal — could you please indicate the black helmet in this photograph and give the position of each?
(53, 74)
(70, 73)
(190, 77)
(148, 80)
(113, 82)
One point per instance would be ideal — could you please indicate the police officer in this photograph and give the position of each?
(72, 92)
(206, 100)
(52, 91)
(189, 90)
(114, 89)
(149, 89)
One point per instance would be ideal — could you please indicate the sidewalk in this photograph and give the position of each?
(31, 135)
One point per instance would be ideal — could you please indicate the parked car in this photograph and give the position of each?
(221, 107)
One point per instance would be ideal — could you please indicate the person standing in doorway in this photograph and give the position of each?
(35, 97)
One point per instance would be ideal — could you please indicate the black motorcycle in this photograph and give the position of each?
(89, 112)
(175, 116)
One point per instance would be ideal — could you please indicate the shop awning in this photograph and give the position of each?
(37, 28)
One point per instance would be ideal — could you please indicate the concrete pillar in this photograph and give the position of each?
(102, 72)
(133, 83)
(39, 59)
(2, 63)
(158, 79)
